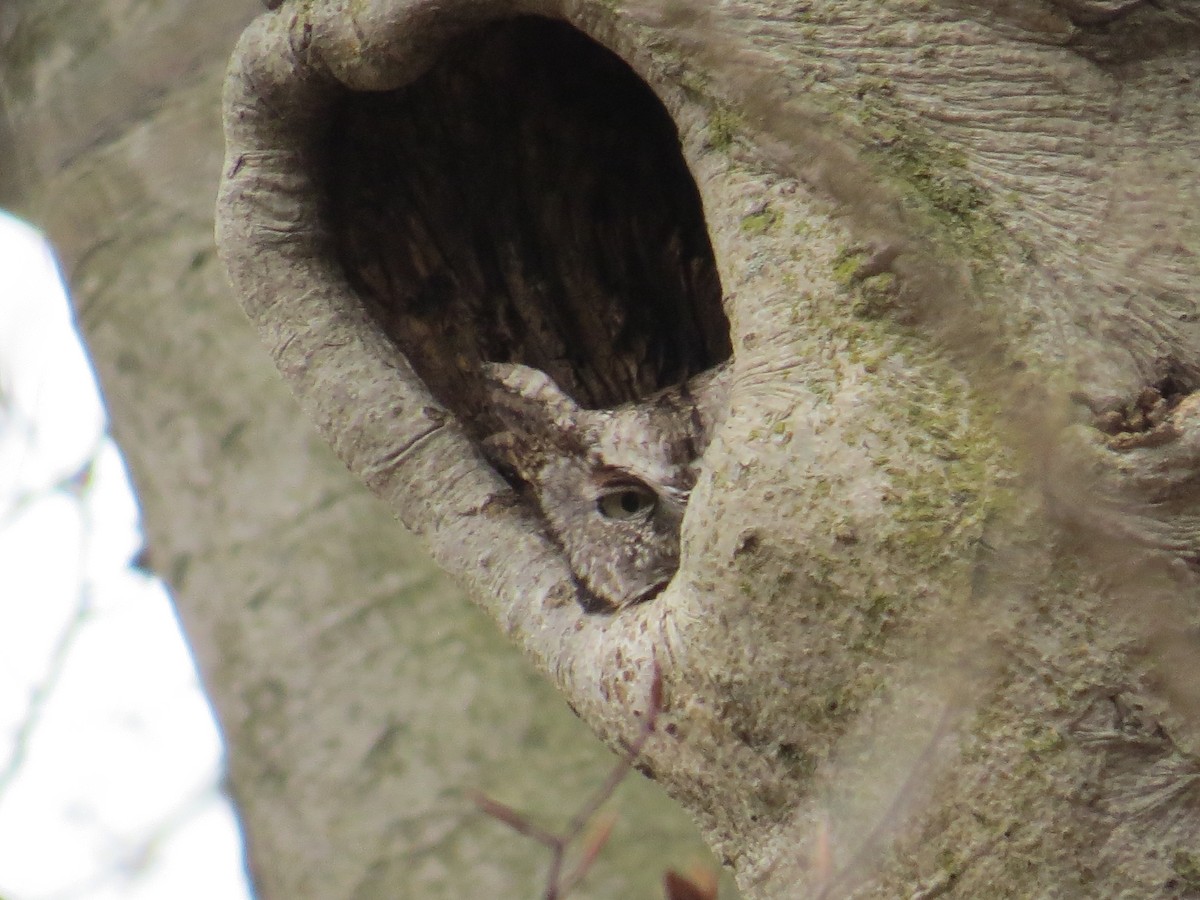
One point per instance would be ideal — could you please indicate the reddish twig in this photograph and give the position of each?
(558, 885)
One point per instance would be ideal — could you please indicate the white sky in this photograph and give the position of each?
(109, 759)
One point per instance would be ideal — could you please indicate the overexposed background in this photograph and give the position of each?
(109, 758)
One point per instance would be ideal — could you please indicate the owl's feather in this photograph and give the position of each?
(611, 484)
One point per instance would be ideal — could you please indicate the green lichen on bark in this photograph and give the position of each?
(761, 222)
(724, 124)
(1186, 865)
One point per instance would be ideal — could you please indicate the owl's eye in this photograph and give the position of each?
(627, 502)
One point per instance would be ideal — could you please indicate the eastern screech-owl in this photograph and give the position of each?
(612, 484)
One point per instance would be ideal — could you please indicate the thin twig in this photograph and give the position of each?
(558, 886)
(77, 483)
(888, 820)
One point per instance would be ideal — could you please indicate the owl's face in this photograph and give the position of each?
(617, 508)
(612, 484)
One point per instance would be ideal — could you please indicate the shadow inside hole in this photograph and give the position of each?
(526, 200)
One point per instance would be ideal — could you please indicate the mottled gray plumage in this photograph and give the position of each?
(612, 484)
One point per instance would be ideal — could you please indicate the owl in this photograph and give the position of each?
(611, 484)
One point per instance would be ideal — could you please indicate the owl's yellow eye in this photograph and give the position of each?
(627, 502)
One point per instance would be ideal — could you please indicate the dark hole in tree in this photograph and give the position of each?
(526, 200)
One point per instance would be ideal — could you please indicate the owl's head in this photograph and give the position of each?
(612, 484)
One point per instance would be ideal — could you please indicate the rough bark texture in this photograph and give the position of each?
(959, 279)
(361, 696)
(935, 627)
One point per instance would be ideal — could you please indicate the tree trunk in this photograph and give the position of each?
(934, 630)
(361, 697)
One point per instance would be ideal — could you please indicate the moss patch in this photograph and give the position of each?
(874, 296)
(760, 223)
(846, 264)
(1186, 865)
(940, 185)
(723, 126)
(877, 296)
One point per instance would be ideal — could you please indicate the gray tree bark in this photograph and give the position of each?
(360, 695)
(935, 627)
